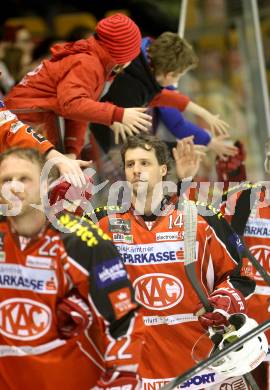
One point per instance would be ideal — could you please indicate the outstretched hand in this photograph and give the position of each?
(187, 157)
(69, 168)
(136, 118)
(220, 146)
(123, 131)
(217, 126)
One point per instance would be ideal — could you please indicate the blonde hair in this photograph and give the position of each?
(29, 154)
(32, 155)
(170, 53)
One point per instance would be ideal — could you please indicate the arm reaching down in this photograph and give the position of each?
(217, 126)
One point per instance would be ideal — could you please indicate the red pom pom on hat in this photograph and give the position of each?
(120, 36)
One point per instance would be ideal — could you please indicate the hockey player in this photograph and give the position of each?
(247, 208)
(70, 83)
(149, 235)
(45, 278)
(16, 133)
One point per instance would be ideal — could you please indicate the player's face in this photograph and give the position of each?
(143, 170)
(19, 184)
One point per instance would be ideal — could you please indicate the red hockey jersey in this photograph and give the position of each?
(247, 209)
(34, 275)
(154, 253)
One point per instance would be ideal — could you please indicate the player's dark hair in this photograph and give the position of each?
(148, 142)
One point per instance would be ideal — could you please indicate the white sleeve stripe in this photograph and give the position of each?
(94, 346)
(77, 265)
(90, 357)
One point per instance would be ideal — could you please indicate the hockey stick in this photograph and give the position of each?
(190, 234)
(212, 359)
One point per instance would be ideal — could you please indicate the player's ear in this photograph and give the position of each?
(164, 170)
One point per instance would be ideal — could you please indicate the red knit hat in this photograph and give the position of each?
(121, 37)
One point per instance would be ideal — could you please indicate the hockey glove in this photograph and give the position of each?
(226, 301)
(120, 380)
(232, 168)
(73, 316)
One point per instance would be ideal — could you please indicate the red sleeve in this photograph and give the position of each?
(78, 92)
(168, 98)
(118, 114)
(75, 132)
(15, 133)
(217, 263)
(126, 349)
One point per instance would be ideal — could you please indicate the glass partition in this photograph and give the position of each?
(231, 79)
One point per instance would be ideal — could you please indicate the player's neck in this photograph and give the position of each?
(29, 224)
(146, 205)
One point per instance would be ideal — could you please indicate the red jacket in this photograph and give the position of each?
(69, 84)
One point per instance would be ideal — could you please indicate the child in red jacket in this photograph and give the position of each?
(70, 83)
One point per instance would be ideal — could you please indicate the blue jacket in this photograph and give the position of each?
(173, 118)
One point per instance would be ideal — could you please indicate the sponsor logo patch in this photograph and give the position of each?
(169, 320)
(19, 277)
(158, 291)
(6, 116)
(119, 225)
(257, 227)
(16, 126)
(165, 252)
(37, 261)
(202, 380)
(167, 236)
(24, 319)
(109, 272)
(120, 237)
(199, 380)
(121, 302)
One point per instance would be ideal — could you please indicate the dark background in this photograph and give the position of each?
(146, 13)
(153, 16)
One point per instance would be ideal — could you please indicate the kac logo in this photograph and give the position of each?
(262, 254)
(24, 319)
(158, 291)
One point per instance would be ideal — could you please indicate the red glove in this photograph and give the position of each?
(233, 168)
(226, 301)
(73, 316)
(61, 191)
(120, 380)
